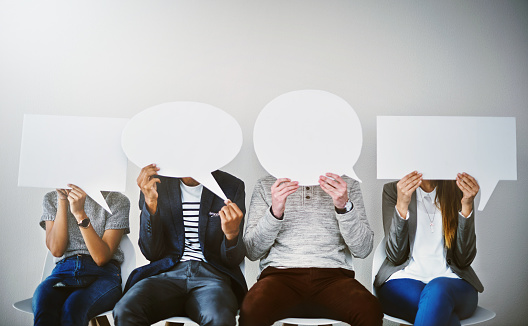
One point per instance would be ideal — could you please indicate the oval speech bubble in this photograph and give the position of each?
(304, 134)
(185, 139)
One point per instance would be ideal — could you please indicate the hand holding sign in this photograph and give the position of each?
(147, 183)
(304, 134)
(280, 191)
(183, 139)
(230, 218)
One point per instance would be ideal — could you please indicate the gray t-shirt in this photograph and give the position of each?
(100, 219)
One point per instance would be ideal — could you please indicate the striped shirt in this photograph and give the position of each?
(191, 211)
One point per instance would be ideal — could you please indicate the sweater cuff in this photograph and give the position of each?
(270, 221)
(278, 218)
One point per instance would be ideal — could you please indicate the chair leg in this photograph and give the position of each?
(102, 321)
(99, 321)
(168, 323)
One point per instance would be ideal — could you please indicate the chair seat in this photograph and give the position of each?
(179, 320)
(24, 306)
(298, 321)
(308, 321)
(396, 320)
(479, 316)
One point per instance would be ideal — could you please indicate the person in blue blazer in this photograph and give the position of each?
(193, 241)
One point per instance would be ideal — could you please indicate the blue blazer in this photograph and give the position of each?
(162, 235)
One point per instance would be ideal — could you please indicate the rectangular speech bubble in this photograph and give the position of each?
(85, 151)
(441, 147)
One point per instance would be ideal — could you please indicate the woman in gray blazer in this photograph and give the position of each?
(429, 225)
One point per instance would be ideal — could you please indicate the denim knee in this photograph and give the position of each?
(121, 310)
(72, 319)
(214, 317)
(437, 288)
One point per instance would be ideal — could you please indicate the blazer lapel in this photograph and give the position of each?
(174, 195)
(413, 219)
(205, 207)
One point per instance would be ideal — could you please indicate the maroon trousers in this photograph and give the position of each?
(309, 292)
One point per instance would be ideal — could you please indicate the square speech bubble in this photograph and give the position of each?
(441, 147)
(61, 150)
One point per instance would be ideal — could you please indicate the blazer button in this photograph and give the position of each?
(449, 261)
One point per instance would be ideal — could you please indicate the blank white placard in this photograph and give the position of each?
(61, 150)
(441, 147)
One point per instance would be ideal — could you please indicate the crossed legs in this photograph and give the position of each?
(443, 301)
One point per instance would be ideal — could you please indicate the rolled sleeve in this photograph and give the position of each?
(49, 208)
(120, 206)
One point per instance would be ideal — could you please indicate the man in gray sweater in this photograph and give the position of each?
(304, 238)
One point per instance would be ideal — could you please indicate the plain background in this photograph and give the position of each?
(116, 58)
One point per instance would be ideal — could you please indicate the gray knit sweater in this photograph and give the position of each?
(311, 234)
(100, 219)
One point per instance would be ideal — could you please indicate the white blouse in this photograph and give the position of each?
(428, 259)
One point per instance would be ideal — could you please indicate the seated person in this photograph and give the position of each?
(193, 240)
(304, 237)
(86, 280)
(429, 225)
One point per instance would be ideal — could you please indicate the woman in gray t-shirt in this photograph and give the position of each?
(84, 238)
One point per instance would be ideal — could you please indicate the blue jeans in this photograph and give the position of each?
(76, 305)
(192, 288)
(443, 301)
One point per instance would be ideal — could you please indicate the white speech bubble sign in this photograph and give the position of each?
(304, 134)
(184, 139)
(441, 147)
(85, 151)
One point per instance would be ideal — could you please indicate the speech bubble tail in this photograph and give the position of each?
(98, 198)
(354, 176)
(486, 189)
(208, 181)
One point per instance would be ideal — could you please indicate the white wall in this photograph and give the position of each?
(116, 58)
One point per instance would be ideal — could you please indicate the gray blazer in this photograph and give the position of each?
(400, 236)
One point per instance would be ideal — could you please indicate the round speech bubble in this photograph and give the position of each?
(303, 134)
(184, 139)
